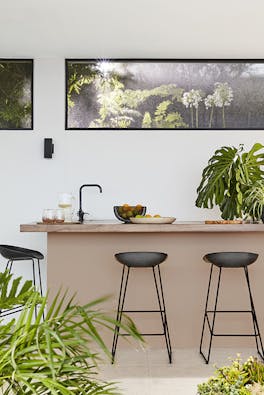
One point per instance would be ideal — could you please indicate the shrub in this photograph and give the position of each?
(237, 379)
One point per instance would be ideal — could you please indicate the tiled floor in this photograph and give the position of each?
(147, 372)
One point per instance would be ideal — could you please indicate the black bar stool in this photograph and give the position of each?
(223, 260)
(142, 260)
(13, 254)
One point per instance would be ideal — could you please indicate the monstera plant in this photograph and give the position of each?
(253, 204)
(228, 178)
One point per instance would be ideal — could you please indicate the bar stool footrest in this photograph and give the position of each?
(141, 311)
(143, 334)
(228, 311)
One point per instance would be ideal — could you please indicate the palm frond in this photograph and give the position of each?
(55, 355)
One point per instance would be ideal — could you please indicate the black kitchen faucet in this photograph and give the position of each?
(80, 212)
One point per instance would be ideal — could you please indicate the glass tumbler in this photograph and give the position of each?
(48, 216)
(59, 216)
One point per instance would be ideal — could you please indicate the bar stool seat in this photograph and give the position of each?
(229, 260)
(135, 260)
(18, 253)
(141, 259)
(15, 254)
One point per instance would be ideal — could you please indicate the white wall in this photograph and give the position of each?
(161, 168)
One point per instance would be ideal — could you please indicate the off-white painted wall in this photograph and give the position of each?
(161, 168)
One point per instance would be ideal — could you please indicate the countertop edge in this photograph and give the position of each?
(112, 227)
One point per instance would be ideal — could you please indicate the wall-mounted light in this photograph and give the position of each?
(48, 148)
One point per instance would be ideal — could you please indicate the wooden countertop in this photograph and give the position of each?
(112, 226)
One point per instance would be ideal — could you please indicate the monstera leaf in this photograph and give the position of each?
(226, 178)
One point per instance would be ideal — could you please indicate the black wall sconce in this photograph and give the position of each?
(48, 148)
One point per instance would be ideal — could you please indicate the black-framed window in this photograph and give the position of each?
(16, 94)
(187, 94)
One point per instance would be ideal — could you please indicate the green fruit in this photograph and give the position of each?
(139, 216)
(129, 214)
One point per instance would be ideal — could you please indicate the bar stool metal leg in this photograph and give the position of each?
(40, 281)
(35, 283)
(206, 318)
(258, 339)
(120, 308)
(34, 272)
(162, 307)
(205, 309)
(9, 265)
(165, 319)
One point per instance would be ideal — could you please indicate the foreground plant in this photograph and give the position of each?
(237, 379)
(56, 355)
(12, 294)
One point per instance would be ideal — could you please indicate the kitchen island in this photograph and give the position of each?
(81, 258)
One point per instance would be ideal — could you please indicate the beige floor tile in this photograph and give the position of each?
(149, 373)
(128, 372)
(136, 386)
(179, 386)
(131, 358)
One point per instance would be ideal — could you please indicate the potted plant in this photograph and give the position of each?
(238, 379)
(228, 177)
(54, 355)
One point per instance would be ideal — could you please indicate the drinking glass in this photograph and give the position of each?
(48, 216)
(59, 216)
(66, 202)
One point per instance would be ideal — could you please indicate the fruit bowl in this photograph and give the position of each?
(125, 212)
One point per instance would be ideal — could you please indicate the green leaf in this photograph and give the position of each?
(54, 355)
(229, 174)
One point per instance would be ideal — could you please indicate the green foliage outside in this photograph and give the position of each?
(79, 75)
(227, 179)
(54, 355)
(147, 121)
(165, 119)
(237, 379)
(15, 95)
(119, 107)
(111, 103)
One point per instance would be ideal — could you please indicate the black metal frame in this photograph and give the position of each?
(154, 60)
(162, 311)
(211, 326)
(31, 88)
(17, 309)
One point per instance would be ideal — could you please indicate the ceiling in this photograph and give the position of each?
(131, 28)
